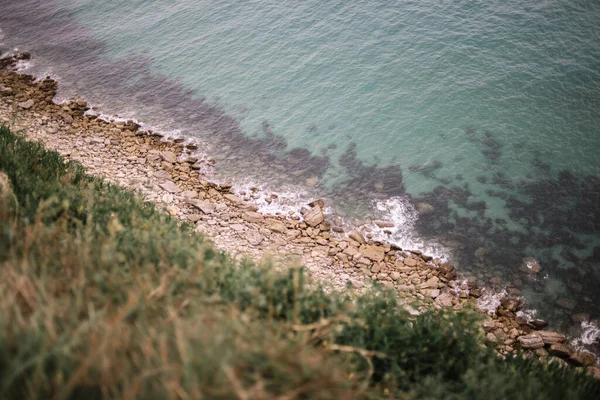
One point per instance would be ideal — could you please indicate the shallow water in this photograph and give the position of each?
(488, 113)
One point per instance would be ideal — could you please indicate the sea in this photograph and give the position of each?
(473, 126)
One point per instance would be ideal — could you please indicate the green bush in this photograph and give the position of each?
(104, 296)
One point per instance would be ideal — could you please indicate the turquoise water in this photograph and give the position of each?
(486, 111)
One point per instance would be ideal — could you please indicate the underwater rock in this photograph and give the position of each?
(424, 208)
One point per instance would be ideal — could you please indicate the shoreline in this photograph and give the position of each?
(167, 173)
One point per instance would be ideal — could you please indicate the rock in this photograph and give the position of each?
(275, 226)
(530, 265)
(317, 203)
(26, 105)
(488, 325)
(357, 237)
(491, 337)
(512, 304)
(550, 337)
(581, 358)
(194, 217)
(372, 252)
(434, 293)
(480, 253)
(431, 283)
(168, 156)
(313, 216)
(410, 262)
(254, 238)
(424, 208)
(205, 206)
(538, 324)
(252, 216)
(561, 350)
(190, 194)
(532, 341)
(312, 181)
(5, 91)
(384, 224)
(444, 300)
(237, 227)
(170, 187)
(233, 198)
(565, 303)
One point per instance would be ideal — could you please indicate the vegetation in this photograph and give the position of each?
(104, 296)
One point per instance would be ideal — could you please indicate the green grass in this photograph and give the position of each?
(103, 296)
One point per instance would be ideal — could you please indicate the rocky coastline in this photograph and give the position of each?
(167, 172)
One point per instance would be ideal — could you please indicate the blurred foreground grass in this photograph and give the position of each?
(103, 296)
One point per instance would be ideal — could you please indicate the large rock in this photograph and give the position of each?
(561, 350)
(170, 187)
(313, 216)
(533, 341)
(372, 252)
(551, 337)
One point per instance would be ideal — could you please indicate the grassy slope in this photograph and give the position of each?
(102, 296)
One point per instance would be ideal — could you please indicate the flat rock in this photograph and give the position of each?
(373, 253)
(313, 216)
(384, 224)
(237, 227)
(275, 226)
(410, 262)
(252, 216)
(550, 337)
(233, 198)
(190, 194)
(205, 206)
(26, 105)
(533, 341)
(168, 156)
(170, 187)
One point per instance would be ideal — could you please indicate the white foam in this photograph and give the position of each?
(490, 300)
(403, 215)
(589, 335)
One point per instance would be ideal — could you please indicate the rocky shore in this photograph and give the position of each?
(166, 171)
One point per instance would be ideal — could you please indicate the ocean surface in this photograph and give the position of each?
(474, 126)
